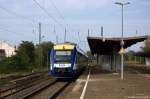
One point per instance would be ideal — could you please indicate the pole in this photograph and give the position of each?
(56, 34)
(122, 44)
(56, 38)
(88, 32)
(47, 60)
(78, 38)
(40, 49)
(65, 36)
(122, 65)
(39, 33)
(102, 31)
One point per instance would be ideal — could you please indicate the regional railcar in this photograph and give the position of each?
(67, 60)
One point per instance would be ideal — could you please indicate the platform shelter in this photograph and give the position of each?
(107, 49)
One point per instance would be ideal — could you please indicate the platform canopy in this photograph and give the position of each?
(142, 54)
(106, 46)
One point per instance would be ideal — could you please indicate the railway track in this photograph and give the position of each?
(12, 79)
(36, 86)
(140, 68)
(20, 85)
(24, 94)
(29, 90)
(51, 92)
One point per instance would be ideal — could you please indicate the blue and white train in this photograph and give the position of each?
(67, 60)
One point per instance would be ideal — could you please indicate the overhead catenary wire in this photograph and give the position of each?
(3, 29)
(66, 26)
(60, 24)
(58, 11)
(29, 19)
(16, 15)
(48, 14)
(33, 21)
(61, 16)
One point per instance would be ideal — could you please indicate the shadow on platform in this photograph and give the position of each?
(98, 70)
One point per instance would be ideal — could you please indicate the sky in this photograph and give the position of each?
(19, 20)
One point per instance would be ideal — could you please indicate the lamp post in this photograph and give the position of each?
(122, 42)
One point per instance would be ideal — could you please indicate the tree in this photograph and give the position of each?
(23, 60)
(89, 54)
(130, 55)
(42, 53)
(146, 48)
(27, 57)
(10, 64)
(25, 54)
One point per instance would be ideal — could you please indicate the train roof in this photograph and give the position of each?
(68, 46)
(64, 46)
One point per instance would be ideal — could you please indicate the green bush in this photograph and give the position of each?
(26, 58)
(9, 65)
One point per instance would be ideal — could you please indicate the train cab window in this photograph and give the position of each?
(63, 56)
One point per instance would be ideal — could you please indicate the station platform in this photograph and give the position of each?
(110, 86)
(101, 84)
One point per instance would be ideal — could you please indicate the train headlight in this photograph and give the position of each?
(74, 67)
(51, 67)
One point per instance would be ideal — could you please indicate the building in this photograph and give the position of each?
(146, 56)
(147, 60)
(6, 49)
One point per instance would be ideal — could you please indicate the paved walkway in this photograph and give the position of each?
(106, 85)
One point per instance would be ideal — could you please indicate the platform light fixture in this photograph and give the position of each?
(122, 41)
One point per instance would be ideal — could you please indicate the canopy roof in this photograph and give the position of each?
(106, 46)
(143, 54)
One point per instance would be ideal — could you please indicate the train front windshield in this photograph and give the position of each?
(63, 57)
